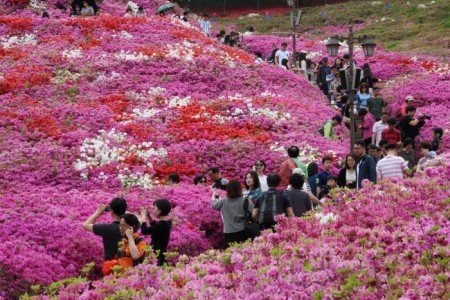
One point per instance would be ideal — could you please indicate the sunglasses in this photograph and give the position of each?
(202, 181)
(259, 165)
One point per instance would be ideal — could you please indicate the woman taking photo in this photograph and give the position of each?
(260, 167)
(232, 210)
(347, 175)
(252, 186)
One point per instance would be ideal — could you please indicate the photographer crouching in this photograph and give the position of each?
(410, 126)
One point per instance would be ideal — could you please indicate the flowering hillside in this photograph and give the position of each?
(93, 108)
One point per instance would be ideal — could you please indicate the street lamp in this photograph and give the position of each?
(368, 46)
(295, 19)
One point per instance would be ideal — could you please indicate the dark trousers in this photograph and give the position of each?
(235, 237)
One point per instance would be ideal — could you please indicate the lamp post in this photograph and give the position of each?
(295, 19)
(369, 49)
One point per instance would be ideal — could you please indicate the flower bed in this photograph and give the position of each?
(388, 241)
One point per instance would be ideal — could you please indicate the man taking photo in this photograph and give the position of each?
(110, 232)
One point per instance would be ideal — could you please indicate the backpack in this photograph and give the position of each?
(271, 205)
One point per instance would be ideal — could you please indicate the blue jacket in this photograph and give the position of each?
(366, 170)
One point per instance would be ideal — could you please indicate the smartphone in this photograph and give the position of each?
(107, 208)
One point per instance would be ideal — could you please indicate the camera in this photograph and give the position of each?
(422, 117)
(108, 208)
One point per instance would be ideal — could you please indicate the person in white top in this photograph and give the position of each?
(259, 59)
(128, 13)
(378, 128)
(260, 167)
(282, 54)
(391, 166)
(205, 25)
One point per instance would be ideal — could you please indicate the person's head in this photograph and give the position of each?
(250, 29)
(258, 54)
(359, 148)
(383, 143)
(205, 16)
(339, 89)
(214, 173)
(425, 148)
(384, 117)
(336, 120)
(252, 180)
(200, 179)
(162, 207)
(234, 189)
(222, 32)
(372, 150)
(293, 151)
(375, 91)
(350, 161)
(141, 9)
(127, 221)
(335, 71)
(409, 100)
(391, 123)
(260, 166)
(118, 206)
(411, 110)
(45, 14)
(129, 10)
(313, 168)
(218, 37)
(296, 181)
(273, 180)
(327, 163)
(390, 148)
(362, 112)
(85, 4)
(408, 144)
(173, 178)
(284, 62)
(284, 46)
(338, 62)
(346, 57)
(438, 132)
(364, 88)
(332, 181)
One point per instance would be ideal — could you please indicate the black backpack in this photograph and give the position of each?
(271, 205)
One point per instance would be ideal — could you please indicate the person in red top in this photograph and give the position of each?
(392, 135)
(131, 249)
(409, 102)
(290, 164)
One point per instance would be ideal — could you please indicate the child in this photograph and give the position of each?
(437, 137)
(160, 231)
(331, 184)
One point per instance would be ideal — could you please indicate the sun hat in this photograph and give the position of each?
(409, 98)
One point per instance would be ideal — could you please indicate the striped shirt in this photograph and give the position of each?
(393, 137)
(391, 167)
(205, 25)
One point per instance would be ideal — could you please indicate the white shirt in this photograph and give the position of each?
(280, 54)
(259, 60)
(263, 183)
(378, 127)
(205, 25)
